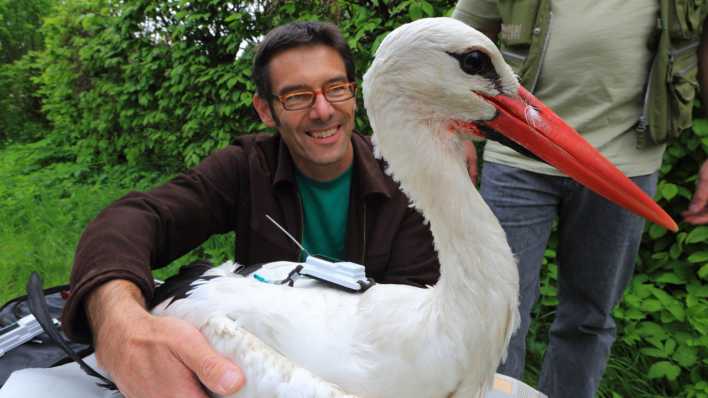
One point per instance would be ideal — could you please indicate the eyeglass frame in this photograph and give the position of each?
(350, 85)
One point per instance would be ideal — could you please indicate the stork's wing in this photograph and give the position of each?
(267, 372)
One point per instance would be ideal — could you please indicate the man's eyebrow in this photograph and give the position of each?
(303, 87)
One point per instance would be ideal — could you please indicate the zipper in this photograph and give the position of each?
(643, 123)
(363, 235)
(302, 223)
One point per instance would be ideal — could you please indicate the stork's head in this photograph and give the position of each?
(450, 77)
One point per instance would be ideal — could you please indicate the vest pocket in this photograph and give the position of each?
(682, 76)
(685, 18)
(519, 18)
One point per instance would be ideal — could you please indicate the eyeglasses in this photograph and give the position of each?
(304, 99)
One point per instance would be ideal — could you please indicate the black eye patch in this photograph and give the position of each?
(476, 62)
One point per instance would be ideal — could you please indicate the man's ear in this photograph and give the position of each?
(264, 110)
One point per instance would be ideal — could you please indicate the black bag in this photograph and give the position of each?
(41, 352)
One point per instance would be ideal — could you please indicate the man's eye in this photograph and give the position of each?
(298, 98)
(338, 90)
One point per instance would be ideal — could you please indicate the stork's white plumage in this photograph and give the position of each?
(432, 84)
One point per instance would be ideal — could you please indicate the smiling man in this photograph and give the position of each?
(315, 177)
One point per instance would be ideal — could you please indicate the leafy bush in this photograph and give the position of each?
(20, 116)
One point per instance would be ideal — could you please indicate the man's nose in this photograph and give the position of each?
(321, 109)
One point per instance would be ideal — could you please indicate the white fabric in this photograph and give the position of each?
(70, 381)
(62, 381)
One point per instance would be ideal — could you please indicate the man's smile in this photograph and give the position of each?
(322, 133)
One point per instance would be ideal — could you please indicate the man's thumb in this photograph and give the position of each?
(220, 375)
(216, 373)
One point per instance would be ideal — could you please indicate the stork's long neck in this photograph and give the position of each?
(477, 267)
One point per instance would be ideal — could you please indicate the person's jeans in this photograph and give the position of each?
(598, 243)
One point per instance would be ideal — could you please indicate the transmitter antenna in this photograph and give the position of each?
(288, 234)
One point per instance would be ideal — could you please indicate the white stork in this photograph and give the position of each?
(434, 83)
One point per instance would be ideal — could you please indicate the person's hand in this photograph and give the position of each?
(148, 356)
(697, 212)
(471, 153)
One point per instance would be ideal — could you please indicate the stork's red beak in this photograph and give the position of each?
(531, 124)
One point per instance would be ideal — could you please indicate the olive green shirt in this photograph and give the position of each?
(593, 76)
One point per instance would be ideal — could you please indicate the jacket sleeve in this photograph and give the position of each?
(414, 260)
(145, 230)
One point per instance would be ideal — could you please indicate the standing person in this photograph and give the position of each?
(590, 62)
(315, 177)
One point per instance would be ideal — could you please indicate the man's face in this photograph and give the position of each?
(319, 138)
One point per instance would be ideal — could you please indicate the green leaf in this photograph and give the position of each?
(669, 190)
(653, 352)
(675, 251)
(700, 127)
(697, 290)
(656, 231)
(415, 11)
(703, 272)
(670, 304)
(685, 356)
(651, 305)
(664, 369)
(698, 257)
(699, 234)
(427, 8)
(651, 329)
(670, 278)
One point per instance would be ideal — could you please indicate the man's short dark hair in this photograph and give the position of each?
(293, 35)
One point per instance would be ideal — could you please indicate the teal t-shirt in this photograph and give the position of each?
(326, 206)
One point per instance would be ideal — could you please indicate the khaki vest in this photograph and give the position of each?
(671, 83)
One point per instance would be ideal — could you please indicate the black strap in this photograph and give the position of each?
(38, 307)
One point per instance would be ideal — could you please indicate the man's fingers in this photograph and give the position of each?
(217, 373)
(698, 209)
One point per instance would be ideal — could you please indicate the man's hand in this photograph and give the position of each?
(697, 212)
(471, 153)
(149, 356)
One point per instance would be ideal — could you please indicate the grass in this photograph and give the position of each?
(46, 200)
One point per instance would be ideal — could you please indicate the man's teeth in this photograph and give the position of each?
(323, 133)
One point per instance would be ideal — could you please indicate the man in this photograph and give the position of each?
(589, 61)
(315, 177)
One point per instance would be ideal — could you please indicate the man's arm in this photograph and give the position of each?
(150, 356)
(144, 230)
(697, 212)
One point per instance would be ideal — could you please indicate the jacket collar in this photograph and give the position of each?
(367, 170)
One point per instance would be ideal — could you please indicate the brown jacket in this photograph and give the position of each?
(233, 190)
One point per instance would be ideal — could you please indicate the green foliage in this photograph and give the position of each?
(47, 199)
(20, 20)
(168, 82)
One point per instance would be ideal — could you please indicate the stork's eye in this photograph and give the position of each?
(476, 62)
